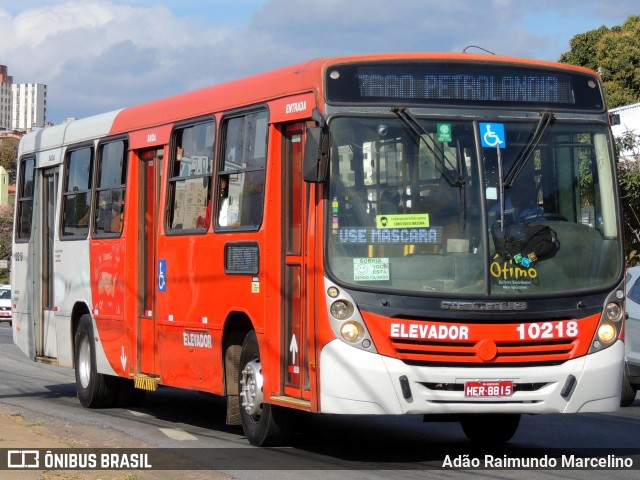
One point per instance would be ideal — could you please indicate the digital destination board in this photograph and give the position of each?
(462, 83)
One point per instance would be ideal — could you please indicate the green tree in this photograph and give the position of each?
(6, 231)
(629, 178)
(8, 153)
(615, 54)
(583, 49)
(8, 159)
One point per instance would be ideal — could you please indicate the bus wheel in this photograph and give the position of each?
(94, 389)
(629, 391)
(490, 429)
(263, 424)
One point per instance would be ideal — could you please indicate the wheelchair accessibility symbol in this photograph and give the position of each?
(162, 275)
(492, 135)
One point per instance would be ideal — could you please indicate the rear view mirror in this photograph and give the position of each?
(314, 167)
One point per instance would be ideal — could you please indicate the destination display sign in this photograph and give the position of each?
(382, 236)
(462, 83)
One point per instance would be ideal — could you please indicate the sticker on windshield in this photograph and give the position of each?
(492, 135)
(334, 213)
(370, 269)
(512, 276)
(444, 132)
(415, 220)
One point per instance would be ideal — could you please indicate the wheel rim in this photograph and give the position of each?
(84, 362)
(251, 393)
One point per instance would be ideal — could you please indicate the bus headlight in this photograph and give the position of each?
(345, 319)
(351, 331)
(340, 309)
(607, 332)
(611, 322)
(613, 312)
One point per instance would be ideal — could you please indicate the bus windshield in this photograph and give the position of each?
(507, 208)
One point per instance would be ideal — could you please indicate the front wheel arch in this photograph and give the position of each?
(264, 424)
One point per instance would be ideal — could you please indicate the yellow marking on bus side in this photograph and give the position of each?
(145, 383)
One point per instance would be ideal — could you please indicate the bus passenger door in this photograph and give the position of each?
(45, 327)
(297, 292)
(150, 168)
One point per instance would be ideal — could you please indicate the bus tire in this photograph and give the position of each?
(95, 390)
(264, 425)
(491, 429)
(628, 394)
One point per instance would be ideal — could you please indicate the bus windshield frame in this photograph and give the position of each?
(429, 213)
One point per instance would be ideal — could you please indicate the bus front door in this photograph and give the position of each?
(297, 298)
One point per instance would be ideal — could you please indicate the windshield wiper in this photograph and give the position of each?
(448, 171)
(514, 172)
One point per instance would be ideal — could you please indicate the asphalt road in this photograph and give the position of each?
(190, 427)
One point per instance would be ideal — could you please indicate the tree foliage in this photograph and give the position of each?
(8, 153)
(615, 54)
(8, 158)
(6, 230)
(629, 179)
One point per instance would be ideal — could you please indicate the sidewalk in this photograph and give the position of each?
(20, 428)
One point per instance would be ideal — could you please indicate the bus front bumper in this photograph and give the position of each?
(353, 381)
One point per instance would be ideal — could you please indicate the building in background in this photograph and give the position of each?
(29, 101)
(5, 98)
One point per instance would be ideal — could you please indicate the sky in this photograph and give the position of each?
(101, 55)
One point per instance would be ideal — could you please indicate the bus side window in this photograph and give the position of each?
(241, 175)
(190, 177)
(77, 193)
(110, 188)
(25, 200)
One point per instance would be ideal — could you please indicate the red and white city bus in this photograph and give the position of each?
(434, 234)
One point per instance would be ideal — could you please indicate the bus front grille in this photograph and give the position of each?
(532, 353)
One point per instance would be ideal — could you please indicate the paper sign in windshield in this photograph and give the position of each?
(414, 220)
(370, 269)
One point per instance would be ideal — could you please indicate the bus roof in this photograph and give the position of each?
(302, 77)
(67, 133)
(290, 80)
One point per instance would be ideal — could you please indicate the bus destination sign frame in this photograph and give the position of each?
(438, 83)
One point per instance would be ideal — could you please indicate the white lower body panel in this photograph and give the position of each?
(353, 381)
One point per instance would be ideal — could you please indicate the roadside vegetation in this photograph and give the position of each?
(615, 54)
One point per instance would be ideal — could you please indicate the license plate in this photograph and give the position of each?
(484, 389)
